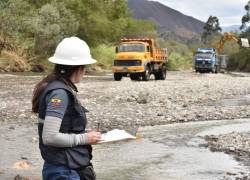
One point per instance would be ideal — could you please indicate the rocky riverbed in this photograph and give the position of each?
(184, 96)
(236, 144)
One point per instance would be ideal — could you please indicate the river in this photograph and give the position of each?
(169, 152)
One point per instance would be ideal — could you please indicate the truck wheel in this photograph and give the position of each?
(134, 77)
(213, 69)
(216, 69)
(146, 74)
(163, 73)
(117, 76)
(201, 71)
(157, 76)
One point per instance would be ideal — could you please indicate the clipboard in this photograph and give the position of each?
(115, 135)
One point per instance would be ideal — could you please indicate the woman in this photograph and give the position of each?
(64, 144)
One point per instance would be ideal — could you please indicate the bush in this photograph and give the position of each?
(176, 61)
(179, 55)
(240, 61)
(173, 46)
(104, 55)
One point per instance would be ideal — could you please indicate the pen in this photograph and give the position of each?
(98, 127)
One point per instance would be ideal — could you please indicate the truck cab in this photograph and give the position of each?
(206, 60)
(132, 55)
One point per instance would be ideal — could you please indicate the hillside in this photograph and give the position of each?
(231, 28)
(171, 24)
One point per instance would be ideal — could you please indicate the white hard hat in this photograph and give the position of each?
(72, 51)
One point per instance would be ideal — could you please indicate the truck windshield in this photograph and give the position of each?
(131, 48)
(204, 55)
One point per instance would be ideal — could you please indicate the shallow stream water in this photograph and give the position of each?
(164, 152)
(169, 152)
(236, 101)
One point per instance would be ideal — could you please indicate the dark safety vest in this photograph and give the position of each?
(74, 121)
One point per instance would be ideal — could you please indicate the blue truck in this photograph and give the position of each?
(206, 60)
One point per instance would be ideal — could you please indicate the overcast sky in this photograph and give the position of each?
(229, 12)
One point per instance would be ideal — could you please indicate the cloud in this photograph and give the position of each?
(229, 12)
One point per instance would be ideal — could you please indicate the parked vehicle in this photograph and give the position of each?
(206, 60)
(139, 58)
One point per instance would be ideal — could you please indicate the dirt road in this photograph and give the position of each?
(182, 97)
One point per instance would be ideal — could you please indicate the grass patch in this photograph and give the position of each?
(10, 61)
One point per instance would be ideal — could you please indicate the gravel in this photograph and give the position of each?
(183, 96)
(232, 143)
(236, 144)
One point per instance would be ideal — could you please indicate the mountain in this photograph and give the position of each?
(230, 28)
(171, 24)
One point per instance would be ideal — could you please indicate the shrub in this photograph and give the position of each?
(240, 61)
(176, 61)
(104, 55)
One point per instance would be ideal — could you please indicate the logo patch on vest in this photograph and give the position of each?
(56, 103)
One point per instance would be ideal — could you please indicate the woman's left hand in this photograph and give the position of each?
(94, 137)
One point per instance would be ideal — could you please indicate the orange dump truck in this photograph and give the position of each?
(139, 58)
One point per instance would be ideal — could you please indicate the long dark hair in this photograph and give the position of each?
(61, 72)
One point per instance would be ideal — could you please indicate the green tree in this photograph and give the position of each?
(246, 18)
(36, 26)
(211, 27)
(52, 23)
(107, 21)
(240, 60)
(14, 16)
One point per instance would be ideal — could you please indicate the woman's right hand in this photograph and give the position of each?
(94, 137)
